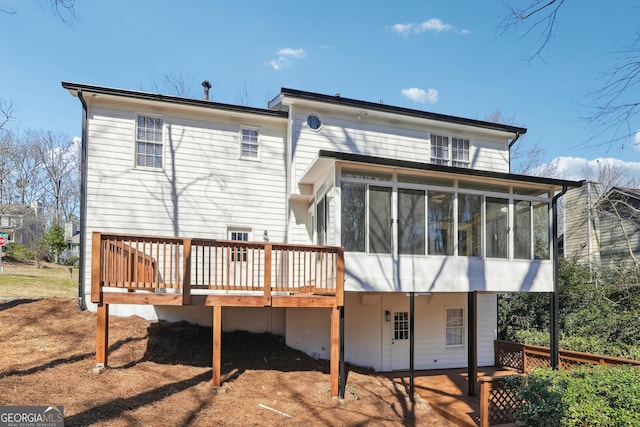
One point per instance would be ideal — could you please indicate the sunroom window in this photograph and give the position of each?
(429, 215)
(440, 214)
(541, 235)
(411, 221)
(380, 220)
(497, 227)
(354, 217)
(469, 225)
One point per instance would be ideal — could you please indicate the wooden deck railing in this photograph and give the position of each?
(497, 402)
(159, 264)
(525, 357)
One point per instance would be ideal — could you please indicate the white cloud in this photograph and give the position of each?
(285, 57)
(403, 29)
(636, 141)
(433, 24)
(294, 53)
(578, 168)
(429, 96)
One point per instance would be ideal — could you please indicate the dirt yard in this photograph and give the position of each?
(160, 374)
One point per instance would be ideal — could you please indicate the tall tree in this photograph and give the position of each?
(614, 107)
(57, 155)
(27, 169)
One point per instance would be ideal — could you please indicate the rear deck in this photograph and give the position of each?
(129, 269)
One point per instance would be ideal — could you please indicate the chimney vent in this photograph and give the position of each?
(206, 85)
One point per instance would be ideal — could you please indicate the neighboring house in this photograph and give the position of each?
(602, 230)
(424, 205)
(20, 222)
(72, 240)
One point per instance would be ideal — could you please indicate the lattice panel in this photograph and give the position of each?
(510, 359)
(536, 361)
(570, 364)
(502, 405)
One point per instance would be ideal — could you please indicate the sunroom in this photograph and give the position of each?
(417, 227)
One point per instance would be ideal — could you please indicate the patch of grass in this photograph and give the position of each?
(24, 280)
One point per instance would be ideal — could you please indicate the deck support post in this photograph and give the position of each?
(102, 335)
(335, 351)
(553, 303)
(343, 372)
(472, 344)
(412, 345)
(217, 344)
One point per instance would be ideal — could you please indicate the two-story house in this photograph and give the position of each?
(19, 223)
(432, 222)
(602, 228)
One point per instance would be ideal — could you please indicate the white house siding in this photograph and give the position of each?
(213, 188)
(308, 330)
(393, 140)
(445, 274)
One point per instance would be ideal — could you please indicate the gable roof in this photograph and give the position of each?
(408, 112)
(74, 88)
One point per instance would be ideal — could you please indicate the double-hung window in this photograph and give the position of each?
(250, 143)
(149, 142)
(449, 151)
(454, 332)
(459, 152)
(439, 149)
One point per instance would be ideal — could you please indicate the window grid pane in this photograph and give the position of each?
(455, 326)
(149, 142)
(401, 325)
(249, 147)
(439, 149)
(235, 252)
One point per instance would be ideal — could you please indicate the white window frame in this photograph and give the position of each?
(233, 234)
(149, 142)
(249, 146)
(448, 327)
(460, 155)
(440, 142)
(455, 150)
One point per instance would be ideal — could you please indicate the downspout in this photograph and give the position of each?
(513, 141)
(83, 203)
(554, 304)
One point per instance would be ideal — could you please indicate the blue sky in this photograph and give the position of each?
(445, 56)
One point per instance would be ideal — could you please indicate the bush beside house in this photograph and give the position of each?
(601, 396)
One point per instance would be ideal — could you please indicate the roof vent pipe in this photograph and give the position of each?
(206, 85)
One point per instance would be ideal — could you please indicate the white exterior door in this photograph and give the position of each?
(399, 337)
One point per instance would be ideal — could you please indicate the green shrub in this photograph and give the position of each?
(72, 260)
(18, 252)
(587, 396)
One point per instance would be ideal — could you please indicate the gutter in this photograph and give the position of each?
(554, 300)
(513, 141)
(83, 204)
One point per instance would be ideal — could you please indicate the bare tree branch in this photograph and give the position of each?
(614, 106)
(7, 112)
(65, 10)
(541, 13)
